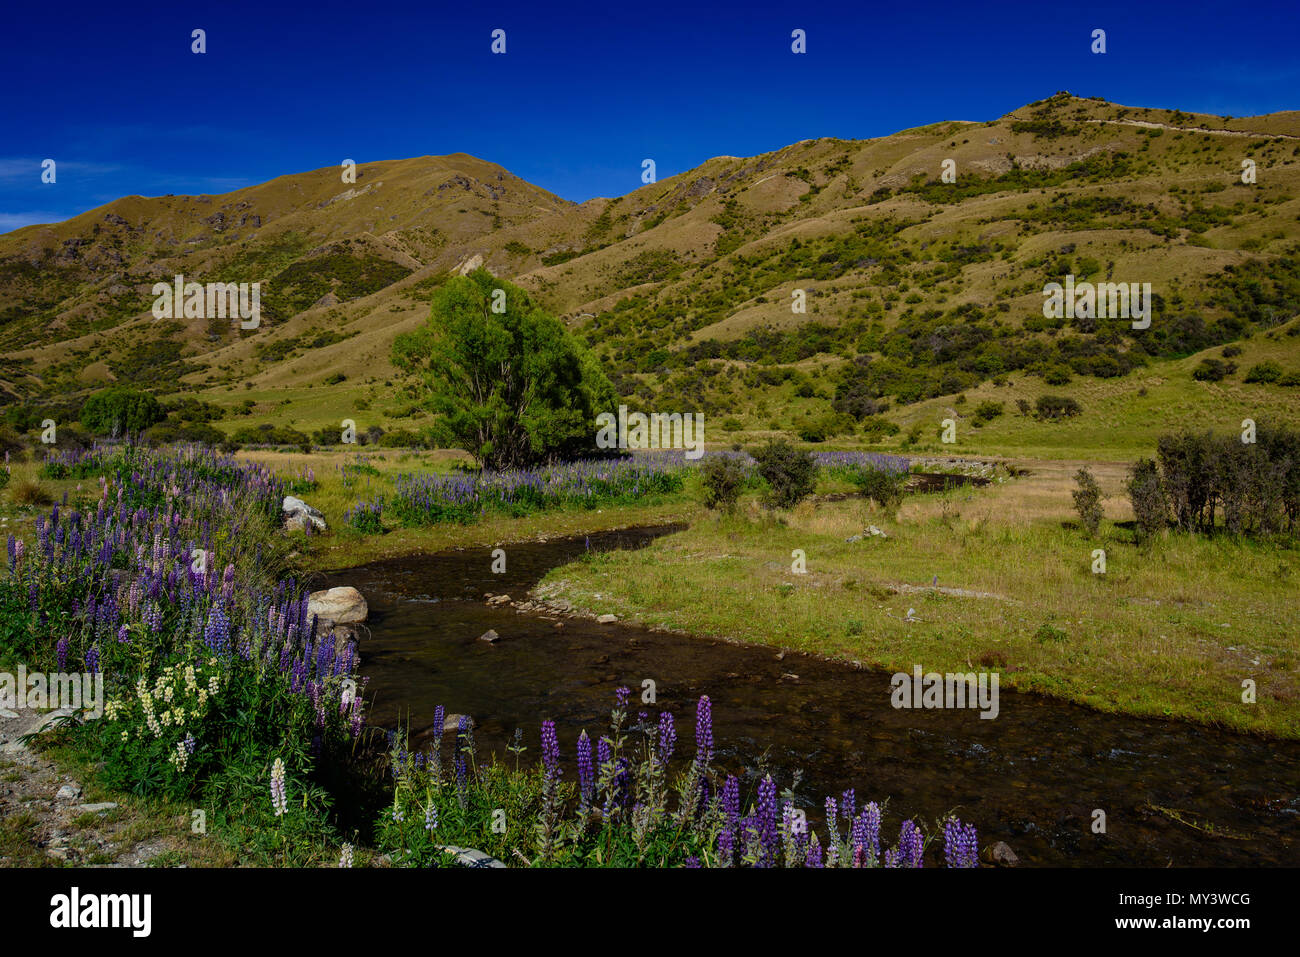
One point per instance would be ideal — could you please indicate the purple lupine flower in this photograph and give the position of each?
(123, 635)
(667, 737)
(814, 858)
(704, 730)
(586, 773)
(726, 846)
(848, 804)
(731, 798)
(621, 696)
(767, 816)
(960, 847)
(61, 654)
(870, 818)
(92, 660)
(692, 861)
(550, 750)
(910, 848)
(439, 718)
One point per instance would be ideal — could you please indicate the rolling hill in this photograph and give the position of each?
(923, 296)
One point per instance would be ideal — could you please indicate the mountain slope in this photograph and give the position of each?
(916, 288)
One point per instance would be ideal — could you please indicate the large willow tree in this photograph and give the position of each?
(509, 384)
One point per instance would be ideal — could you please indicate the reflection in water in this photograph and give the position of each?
(1032, 777)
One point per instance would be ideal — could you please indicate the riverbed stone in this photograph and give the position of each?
(343, 605)
(606, 619)
(1001, 854)
(490, 636)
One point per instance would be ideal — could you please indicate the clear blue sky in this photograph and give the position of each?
(584, 92)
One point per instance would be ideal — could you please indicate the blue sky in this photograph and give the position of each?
(113, 93)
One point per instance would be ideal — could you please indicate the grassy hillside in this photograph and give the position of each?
(923, 297)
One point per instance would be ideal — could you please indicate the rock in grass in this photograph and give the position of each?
(298, 514)
(69, 792)
(342, 606)
(469, 857)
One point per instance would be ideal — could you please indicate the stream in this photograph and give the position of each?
(1032, 777)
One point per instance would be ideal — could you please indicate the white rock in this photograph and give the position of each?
(343, 605)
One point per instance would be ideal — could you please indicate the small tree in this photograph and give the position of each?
(1147, 494)
(791, 475)
(1087, 500)
(723, 477)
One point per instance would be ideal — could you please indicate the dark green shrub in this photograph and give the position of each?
(987, 411)
(791, 474)
(723, 477)
(1056, 407)
(1087, 500)
(1147, 495)
(882, 487)
(1264, 372)
(1212, 370)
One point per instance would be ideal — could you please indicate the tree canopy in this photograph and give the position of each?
(509, 383)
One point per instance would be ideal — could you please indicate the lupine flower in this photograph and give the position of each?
(667, 737)
(704, 730)
(550, 750)
(586, 773)
(960, 848)
(279, 799)
(345, 858)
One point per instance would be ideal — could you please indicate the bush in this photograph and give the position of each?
(987, 411)
(1147, 495)
(791, 474)
(1264, 372)
(119, 410)
(724, 477)
(1056, 375)
(885, 488)
(1056, 407)
(1212, 370)
(1255, 486)
(1087, 500)
(165, 433)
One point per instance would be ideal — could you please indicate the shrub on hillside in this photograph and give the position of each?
(987, 411)
(791, 474)
(724, 477)
(1087, 500)
(1213, 370)
(1264, 372)
(1056, 407)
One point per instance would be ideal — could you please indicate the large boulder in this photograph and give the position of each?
(341, 606)
(298, 514)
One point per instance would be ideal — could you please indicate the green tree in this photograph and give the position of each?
(512, 388)
(117, 410)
